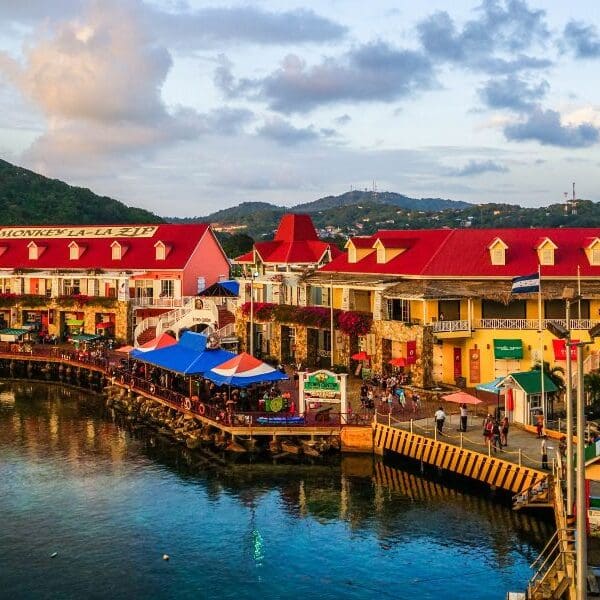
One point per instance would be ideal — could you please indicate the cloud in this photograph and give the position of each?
(475, 167)
(285, 133)
(513, 93)
(196, 29)
(343, 119)
(508, 26)
(545, 127)
(371, 72)
(97, 79)
(583, 40)
(227, 120)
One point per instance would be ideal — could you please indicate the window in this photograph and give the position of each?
(497, 310)
(596, 255)
(547, 256)
(93, 287)
(399, 310)
(449, 310)
(498, 256)
(116, 250)
(71, 287)
(167, 288)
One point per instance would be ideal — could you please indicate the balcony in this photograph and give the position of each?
(159, 302)
(453, 327)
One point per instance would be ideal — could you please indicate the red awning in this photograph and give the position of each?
(105, 325)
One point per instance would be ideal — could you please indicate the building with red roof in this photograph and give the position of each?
(274, 271)
(74, 279)
(442, 298)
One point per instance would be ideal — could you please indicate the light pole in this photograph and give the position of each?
(569, 406)
(331, 321)
(252, 276)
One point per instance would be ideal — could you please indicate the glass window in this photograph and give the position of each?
(71, 287)
(167, 288)
(399, 310)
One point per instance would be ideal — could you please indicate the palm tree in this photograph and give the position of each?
(556, 374)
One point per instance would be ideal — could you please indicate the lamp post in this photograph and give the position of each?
(569, 407)
(331, 321)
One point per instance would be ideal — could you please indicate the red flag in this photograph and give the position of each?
(411, 352)
(560, 349)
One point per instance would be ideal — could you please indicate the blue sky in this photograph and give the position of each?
(188, 107)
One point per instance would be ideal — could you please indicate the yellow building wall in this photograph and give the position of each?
(337, 297)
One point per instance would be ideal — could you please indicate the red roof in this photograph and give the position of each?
(140, 254)
(296, 242)
(465, 253)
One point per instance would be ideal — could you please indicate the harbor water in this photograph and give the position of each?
(88, 508)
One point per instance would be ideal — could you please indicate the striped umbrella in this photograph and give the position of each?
(244, 370)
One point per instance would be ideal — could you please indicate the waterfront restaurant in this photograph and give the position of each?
(112, 280)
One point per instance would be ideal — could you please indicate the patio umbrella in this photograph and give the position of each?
(461, 398)
(362, 355)
(243, 370)
(398, 362)
(162, 341)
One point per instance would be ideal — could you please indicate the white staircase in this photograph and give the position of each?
(193, 312)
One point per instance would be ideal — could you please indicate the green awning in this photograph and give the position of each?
(531, 382)
(14, 331)
(85, 337)
(508, 348)
(74, 322)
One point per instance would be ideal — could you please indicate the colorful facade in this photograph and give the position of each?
(102, 278)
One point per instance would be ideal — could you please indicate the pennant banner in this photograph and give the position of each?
(411, 352)
(560, 350)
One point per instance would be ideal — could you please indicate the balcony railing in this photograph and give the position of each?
(159, 302)
(464, 325)
(450, 326)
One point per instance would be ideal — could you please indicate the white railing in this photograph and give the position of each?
(164, 302)
(188, 315)
(450, 326)
(575, 324)
(228, 331)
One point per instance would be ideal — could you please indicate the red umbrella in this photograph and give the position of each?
(462, 398)
(362, 355)
(398, 362)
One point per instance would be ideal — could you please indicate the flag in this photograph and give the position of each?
(526, 284)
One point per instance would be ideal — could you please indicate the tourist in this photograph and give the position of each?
(440, 417)
(544, 451)
(539, 424)
(401, 398)
(504, 432)
(390, 398)
(370, 398)
(496, 436)
(464, 413)
(363, 394)
(487, 430)
(416, 399)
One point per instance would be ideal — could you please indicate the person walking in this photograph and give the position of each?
(496, 436)
(440, 417)
(463, 417)
(487, 429)
(504, 432)
(544, 451)
(539, 424)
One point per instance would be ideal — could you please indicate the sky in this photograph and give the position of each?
(187, 107)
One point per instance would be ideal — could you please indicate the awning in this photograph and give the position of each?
(14, 332)
(222, 289)
(189, 356)
(494, 387)
(85, 337)
(105, 325)
(508, 348)
(74, 322)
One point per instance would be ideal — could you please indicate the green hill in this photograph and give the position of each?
(27, 198)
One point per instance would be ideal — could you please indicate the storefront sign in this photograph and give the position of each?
(457, 362)
(77, 232)
(474, 365)
(322, 384)
(560, 350)
(508, 349)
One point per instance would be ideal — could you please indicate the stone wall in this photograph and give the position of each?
(401, 332)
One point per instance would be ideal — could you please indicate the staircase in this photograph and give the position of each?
(539, 495)
(190, 314)
(551, 580)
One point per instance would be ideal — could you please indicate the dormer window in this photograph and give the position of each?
(118, 250)
(162, 250)
(380, 252)
(35, 251)
(75, 251)
(545, 249)
(498, 252)
(592, 250)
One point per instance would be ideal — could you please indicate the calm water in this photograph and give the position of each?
(110, 503)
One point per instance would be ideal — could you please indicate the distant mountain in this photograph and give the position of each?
(27, 198)
(360, 197)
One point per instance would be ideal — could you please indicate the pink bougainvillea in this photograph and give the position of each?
(348, 322)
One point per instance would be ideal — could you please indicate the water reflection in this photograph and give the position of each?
(385, 524)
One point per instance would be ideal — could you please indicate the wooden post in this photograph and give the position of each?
(461, 440)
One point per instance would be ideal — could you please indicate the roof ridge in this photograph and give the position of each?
(440, 247)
